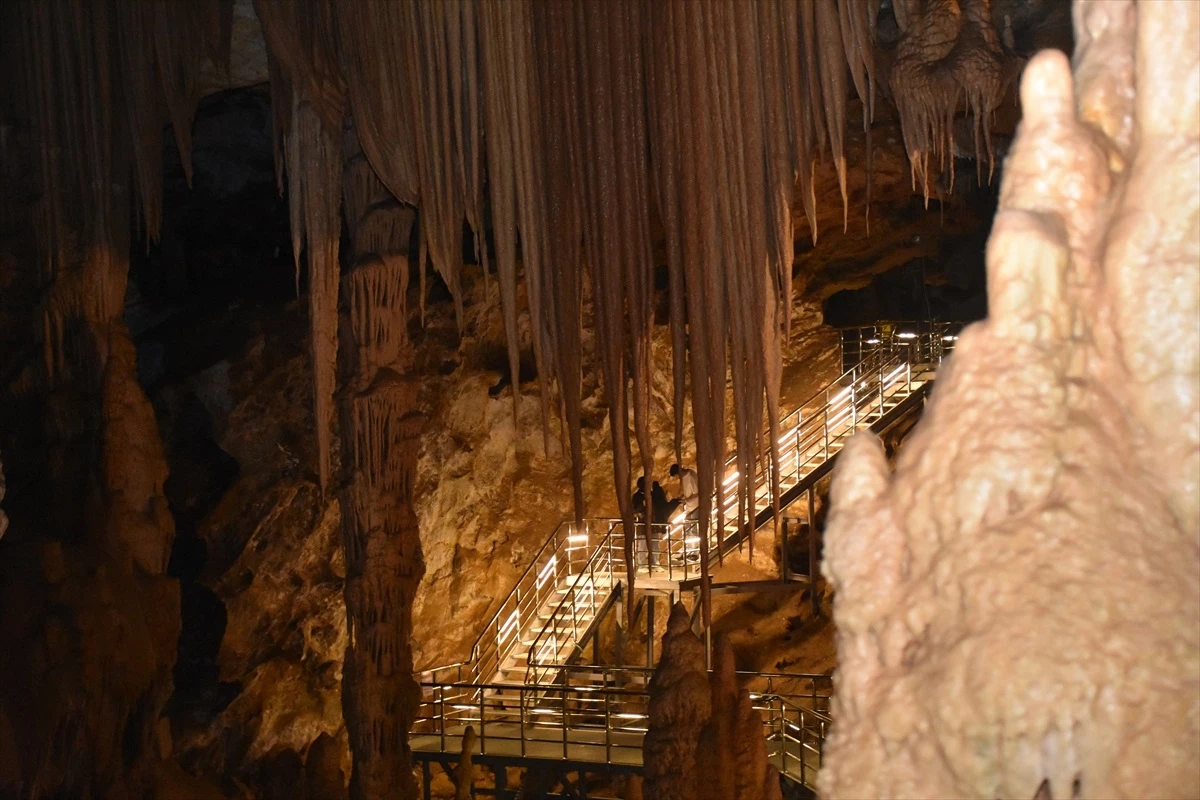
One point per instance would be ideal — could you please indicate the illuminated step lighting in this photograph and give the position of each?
(577, 538)
(509, 625)
(906, 335)
(872, 341)
(547, 571)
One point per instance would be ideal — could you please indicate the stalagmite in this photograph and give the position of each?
(464, 770)
(97, 617)
(680, 706)
(705, 741)
(1028, 616)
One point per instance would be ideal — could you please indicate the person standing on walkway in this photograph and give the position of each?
(689, 488)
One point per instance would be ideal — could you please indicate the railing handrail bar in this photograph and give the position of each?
(535, 562)
(531, 688)
(588, 571)
(875, 354)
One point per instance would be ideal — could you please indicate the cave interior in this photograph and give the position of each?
(318, 317)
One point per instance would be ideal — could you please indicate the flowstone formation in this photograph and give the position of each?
(705, 741)
(949, 52)
(1020, 602)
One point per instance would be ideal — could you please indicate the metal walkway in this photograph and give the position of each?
(523, 689)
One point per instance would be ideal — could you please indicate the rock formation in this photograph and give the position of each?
(731, 754)
(705, 741)
(323, 769)
(381, 427)
(1020, 601)
(680, 707)
(949, 51)
(464, 770)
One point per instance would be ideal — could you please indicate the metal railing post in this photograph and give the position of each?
(482, 723)
(441, 695)
(607, 727)
(881, 392)
(564, 721)
(854, 390)
(825, 450)
(803, 765)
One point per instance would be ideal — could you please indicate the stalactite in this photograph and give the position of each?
(554, 40)
(372, 56)
(664, 141)
(303, 57)
(447, 130)
(496, 22)
(857, 24)
(315, 179)
(142, 101)
(531, 199)
(300, 36)
(184, 33)
(833, 91)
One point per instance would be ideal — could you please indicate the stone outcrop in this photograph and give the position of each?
(731, 755)
(1018, 605)
(680, 707)
(705, 741)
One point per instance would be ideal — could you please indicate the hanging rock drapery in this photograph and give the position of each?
(949, 51)
(303, 55)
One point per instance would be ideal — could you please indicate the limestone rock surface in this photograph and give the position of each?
(1020, 602)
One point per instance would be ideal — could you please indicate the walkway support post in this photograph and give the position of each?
(650, 631)
(812, 552)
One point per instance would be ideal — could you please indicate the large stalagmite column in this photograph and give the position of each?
(380, 426)
(1018, 603)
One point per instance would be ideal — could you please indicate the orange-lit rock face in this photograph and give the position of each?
(1020, 600)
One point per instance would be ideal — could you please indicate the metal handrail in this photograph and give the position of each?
(545, 717)
(812, 431)
(599, 554)
(485, 655)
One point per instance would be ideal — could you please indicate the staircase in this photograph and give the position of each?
(522, 688)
